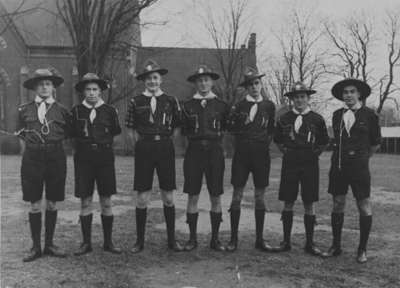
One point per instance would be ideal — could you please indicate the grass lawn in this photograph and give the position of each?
(158, 267)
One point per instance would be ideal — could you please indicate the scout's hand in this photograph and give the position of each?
(282, 148)
(373, 149)
(318, 151)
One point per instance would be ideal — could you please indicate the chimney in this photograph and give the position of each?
(252, 43)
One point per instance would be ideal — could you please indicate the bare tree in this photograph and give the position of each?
(352, 42)
(100, 31)
(386, 83)
(305, 60)
(229, 30)
(302, 58)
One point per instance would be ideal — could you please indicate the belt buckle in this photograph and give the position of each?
(157, 137)
(94, 146)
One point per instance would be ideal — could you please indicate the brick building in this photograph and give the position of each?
(40, 39)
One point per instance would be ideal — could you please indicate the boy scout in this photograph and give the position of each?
(154, 115)
(44, 124)
(252, 122)
(204, 120)
(357, 136)
(94, 125)
(301, 135)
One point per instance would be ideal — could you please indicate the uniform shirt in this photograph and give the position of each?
(260, 129)
(364, 133)
(204, 123)
(312, 133)
(162, 122)
(58, 120)
(103, 129)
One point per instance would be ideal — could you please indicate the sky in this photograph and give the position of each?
(180, 24)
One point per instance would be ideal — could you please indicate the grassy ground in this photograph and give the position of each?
(157, 267)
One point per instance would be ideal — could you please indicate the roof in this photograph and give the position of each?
(184, 62)
(390, 132)
(41, 26)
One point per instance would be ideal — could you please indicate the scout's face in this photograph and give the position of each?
(300, 101)
(204, 84)
(351, 95)
(92, 93)
(254, 88)
(44, 88)
(153, 82)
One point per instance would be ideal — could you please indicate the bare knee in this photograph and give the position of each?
(259, 200)
(364, 207)
(142, 199)
(237, 196)
(167, 198)
(51, 205)
(105, 205)
(339, 203)
(288, 206)
(86, 205)
(215, 204)
(308, 208)
(192, 204)
(36, 207)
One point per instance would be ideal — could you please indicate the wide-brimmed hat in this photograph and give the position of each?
(203, 70)
(91, 78)
(43, 74)
(151, 66)
(299, 87)
(250, 75)
(363, 88)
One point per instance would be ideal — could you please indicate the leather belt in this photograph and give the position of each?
(44, 145)
(95, 146)
(154, 137)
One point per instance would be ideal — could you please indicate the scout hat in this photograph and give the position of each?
(250, 75)
(91, 78)
(363, 87)
(299, 87)
(43, 74)
(149, 67)
(202, 70)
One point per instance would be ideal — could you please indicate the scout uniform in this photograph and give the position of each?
(252, 122)
(355, 132)
(93, 129)
(302, 135)
(44, 124)
(154, 117)
(204, 121)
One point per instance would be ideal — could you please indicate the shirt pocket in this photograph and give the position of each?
(143, 113)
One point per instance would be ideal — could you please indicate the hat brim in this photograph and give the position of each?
(142, 76)
(307, 91)
(80, 86)
(250, 79)
(32, 82)
(363, 88)
(192, 78)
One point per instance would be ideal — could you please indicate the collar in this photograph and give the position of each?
(210, 95)
(356, 107)
(97, 105)
(49, 100)
(306, 111)
(147, 93)
(251, 99)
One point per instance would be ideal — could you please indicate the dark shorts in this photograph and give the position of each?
(299, 167)
(158, 155)
(251, 157)
(43, 167)
(354, 173)
(94, 166)
(207, 159)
